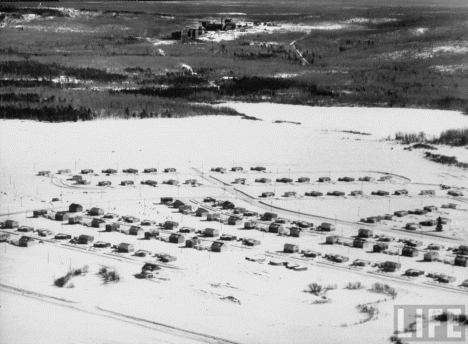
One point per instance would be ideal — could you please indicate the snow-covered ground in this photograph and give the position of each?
(200, 296)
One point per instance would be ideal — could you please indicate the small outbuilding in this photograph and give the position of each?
(327, 227)
(211, 232)
(85, 239)
(409, 251)
(26, 241)
(291, 248)
(125, 247)
(365, 233)
(95, 211)
(10, 224)
(176, 238)
(276, 228)
(431, 256)
(219, 246)
(62, 216)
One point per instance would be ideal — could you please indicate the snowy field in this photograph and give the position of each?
(220, 297)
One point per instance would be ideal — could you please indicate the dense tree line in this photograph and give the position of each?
(40, 11)
(451, 137)
(47, 113)
(445, 160)
(35, 69)
(25, 97)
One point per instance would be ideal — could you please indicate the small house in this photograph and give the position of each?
(282, 220)
(191, 182)
(450, 206)
(65, 171)
(151, 234)
(76, 177)
(411, 226)
(235, 221)
(219, 246)
(463, 249)
(131, 219)
(346, 179)
(228, 237)
(98, 223)
(170, 225)
(303, 180)
(431, 256)
(136, 230)
(276, 228)
(178, 203)
(461, 261)
(209, 200)
(267, 194)
(109, 171)
(367, 179)
(428, 223)
(218, 169)
(111, 227)
(284, 180)
(62, 236)
(74, 220)
(455, 193)
(314, 193)
(228, 205)
(380, 247)
(202, 212)
(185, 209)
(213, 217)
(263, 180)
(102, 244)
(39, 213)
(211, 232)
(193, 242)
(142, 253)
(176, 238)
(75, 208)
(290, 194)
(336, 193)
(427, 193)
(339, 258)
(167, 258)
(365, 233)
(446, 279)
(125, 247)
(95, 211)
(332, 239)
(430, 208)
(43, 173)
(150, 182)
(10, 224)
(150, 170)
(400, 213)
(390, 266)
(127, 182)
(239, 181)
(187, 230)
(258, 168)
(151, 267)
(295, 232)
(104, 183)
(171, 182)
(389, 217)
(250, 224)
(380, 193)
(166, 200)
(291, 248)
(402, 192)
(62, 216)
(409, 251)
(269, 216)
(85, 239)
(251, 242)
(148, 223)
(25, 229)
(360, 243)
(324, 179)
(327, 227)
(420, 212)
(356, 193)
(170, 170)
(414, 273)
(237, 169)
(87, 171)
(130, 170)
(26, 241)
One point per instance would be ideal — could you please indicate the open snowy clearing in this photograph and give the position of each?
(250, 302)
